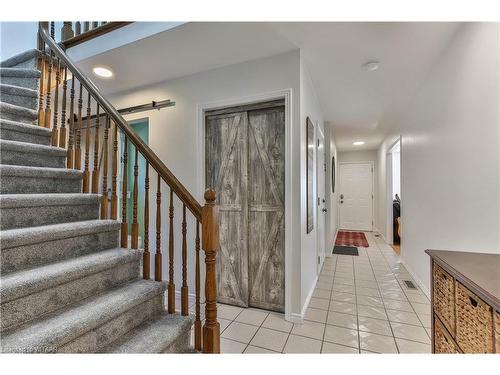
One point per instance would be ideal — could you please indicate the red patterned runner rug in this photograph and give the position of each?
(357, 239)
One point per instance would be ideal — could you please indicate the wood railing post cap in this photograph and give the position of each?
(210, 195)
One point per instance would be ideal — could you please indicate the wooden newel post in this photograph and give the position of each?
(210, 245)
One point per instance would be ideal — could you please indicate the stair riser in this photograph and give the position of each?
(30, 102)
(25, 64)
(39, 185)
(22, 217)
(27, 82)
(23, 257)
(93, 341)
(33, 306)
(14, 157)
(181, 345)
(12, 135)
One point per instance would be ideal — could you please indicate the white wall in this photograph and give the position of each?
(450, 152)
(175, 137)
(309, 107)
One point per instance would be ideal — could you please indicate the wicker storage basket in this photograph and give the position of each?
(474, 322)
(497, 331)
(444, 297)
(443, 343)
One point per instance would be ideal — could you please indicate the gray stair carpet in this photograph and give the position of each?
(65, 284)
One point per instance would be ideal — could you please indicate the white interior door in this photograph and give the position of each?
(356, 196)
(320, 186)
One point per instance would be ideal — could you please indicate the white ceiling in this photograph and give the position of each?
(358, 104)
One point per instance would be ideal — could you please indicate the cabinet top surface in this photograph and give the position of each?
(479, 269)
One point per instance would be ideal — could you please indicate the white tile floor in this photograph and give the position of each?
(360, 305)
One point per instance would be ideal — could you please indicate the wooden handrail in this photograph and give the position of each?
(93, 33)
(153, 160)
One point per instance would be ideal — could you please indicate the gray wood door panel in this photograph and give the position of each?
(225, 159)
(266, 191)
(245, 164)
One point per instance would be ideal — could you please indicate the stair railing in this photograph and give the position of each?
(57, 70)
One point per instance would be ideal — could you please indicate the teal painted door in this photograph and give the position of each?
(141, 127)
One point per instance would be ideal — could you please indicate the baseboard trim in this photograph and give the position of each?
(300, 317)
(296, 318)
(417, 280)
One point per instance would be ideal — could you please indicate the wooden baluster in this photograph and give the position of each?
(46, 121)
(78, 28)
(145, 254)
(70, 161)
(114, 196)
(86, 173)
(171, 285)
(210, 244)
(67, 31)
(197, 322)
(135, 225)
(184, 287)
(104, 199)
(95, 24)
(55, 129)
(124, 226)
(158, 259)
(41, 67)
(86, 26)
(95, 169)
(62, 131)
(78, 149)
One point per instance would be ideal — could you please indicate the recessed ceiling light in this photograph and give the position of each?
(102, 72)
(358, 143)
(371, 65)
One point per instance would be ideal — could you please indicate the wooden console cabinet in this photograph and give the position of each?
(465, 298)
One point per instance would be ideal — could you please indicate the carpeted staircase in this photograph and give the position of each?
(65, 284)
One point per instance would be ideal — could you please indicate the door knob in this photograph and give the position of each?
(324, 210)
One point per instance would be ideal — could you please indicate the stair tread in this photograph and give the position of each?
(32, 148)
(24, 236)
(48, 199)
(19, 58)
(24, 127)
(153, 336)
(66, 325)
(21, 170)
(22, 283)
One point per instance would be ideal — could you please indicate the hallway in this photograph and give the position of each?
(360, 305)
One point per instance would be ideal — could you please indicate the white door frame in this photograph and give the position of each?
(319, 213)
(389, 235)
(373, 188)
(200, 128)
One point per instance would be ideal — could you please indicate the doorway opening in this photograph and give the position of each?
(393, 168)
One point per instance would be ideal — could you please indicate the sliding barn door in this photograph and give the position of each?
(266, 197)
(245, 164)
(226, 163)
